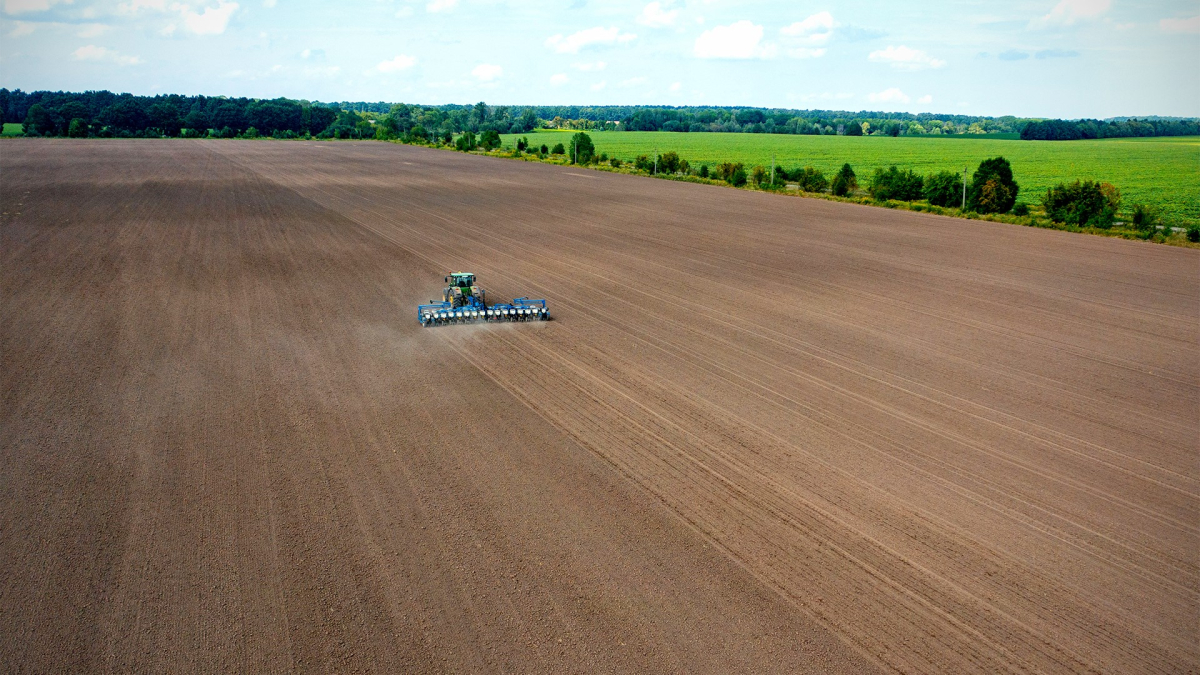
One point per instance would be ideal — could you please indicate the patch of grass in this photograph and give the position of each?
(12, 129)
(1156, 171)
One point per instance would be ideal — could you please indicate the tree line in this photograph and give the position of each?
(1064, 130)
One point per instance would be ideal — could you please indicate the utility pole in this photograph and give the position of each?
(772, 176)
(656, 161)
(964, 201)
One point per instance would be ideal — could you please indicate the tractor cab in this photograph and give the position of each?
(461, 279)
(462, 291)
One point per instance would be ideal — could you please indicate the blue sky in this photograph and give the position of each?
(1056, 58)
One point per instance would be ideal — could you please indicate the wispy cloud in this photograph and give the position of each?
(1187, 25)
(591, 37)
(398, 63)
(927, 98)
(890, 95)
(813, 31)
(1071, 12)
(559, 79)
(441, 6)
(905, 58)
(654, 15)
(591, 67)
(1013, 55)
(21, 28)
(29, 6)
(1055, 54)
(104, 54)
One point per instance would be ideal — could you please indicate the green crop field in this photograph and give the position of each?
(1164, 172)
(13, 129)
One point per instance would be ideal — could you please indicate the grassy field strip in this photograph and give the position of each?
(1164, 172)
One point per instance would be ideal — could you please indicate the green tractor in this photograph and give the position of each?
(462, 289)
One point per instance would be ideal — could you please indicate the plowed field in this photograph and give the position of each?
(761, 434)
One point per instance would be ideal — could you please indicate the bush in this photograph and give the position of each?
(944, 188)
(725, 170)
(1145, 218)
(603, 157)
(845, 181)
(704, 171)
(544, 150)
(1021, 209)
(892, 183)
(758, 174)
(78, 128)
(668, 162)
(558, 149)
(615, 162)
(1193, 233)
(997, 197)
(522, 143)
(810, 179)
(466, 142)
(642, 163)
(738, 177)
(1085, 203)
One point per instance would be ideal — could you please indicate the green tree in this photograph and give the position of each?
(893, 183)
(38, 121)
(1145, 218)
(810, 179)
(758, 174)
(582, 148)
(738, 177)
(999, 197)
(78, 128)
(490, 140)
(854, 129)
(558, 149)
(844, 182)
(944, 188)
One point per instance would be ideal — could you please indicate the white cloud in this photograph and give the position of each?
(22, 6)
(1188, 25)
(591, 67)
(395, 65)
(655, 16)
(675, 86)
(813, 31)
(321, 71)
(590, 37)
(268, 3)
(21, 28)
(904, 58)
(486, 72)
(925, 99)
(892, 95)
(634, 81)
(559, 79)
(167, 30)
(826, 96)
(441, 6)
(94, 53)
(94, 30)
(739, 40)
(404, 11)
(599, 85)
(1070, 12)
(135, 6)
(212, 21)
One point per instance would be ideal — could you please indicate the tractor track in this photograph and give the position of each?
(760, 434)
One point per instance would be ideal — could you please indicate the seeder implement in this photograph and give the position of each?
(463, 302)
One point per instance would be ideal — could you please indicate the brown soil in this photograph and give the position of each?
(762, 434)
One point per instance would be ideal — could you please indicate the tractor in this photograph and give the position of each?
(464, 302)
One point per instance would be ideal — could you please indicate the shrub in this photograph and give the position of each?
(725, 170)
(603, 157)
(615, 162)
(684, 167)
(522, 143)
(1193, 233)
(668, 162)
(704, 171)
(558, 149)
(545, 150)
(466, 142)
(1145, 218)
(998, 197)
(892, 183)
(758, 174)
(944, 188)
(810, 179)
(1021, 209)
(1085, 203)
(78, 128)
(845, 181)
(738, 177)
(251, 132)
(642, 163)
